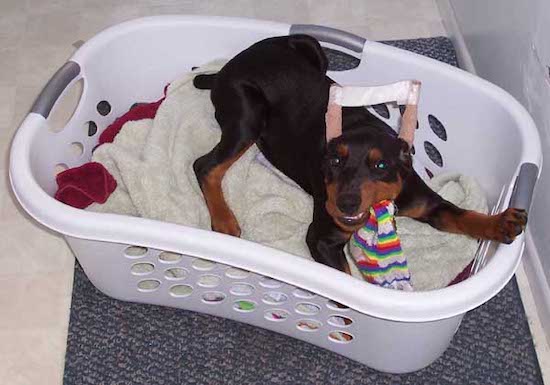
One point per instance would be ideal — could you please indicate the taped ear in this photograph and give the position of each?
(333, 117)
(410, 116)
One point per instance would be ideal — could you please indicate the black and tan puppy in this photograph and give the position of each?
(275, 94)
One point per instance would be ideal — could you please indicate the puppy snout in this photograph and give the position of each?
(348, 203)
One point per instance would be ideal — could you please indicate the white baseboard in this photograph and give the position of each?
(538, 283)
(455, 34)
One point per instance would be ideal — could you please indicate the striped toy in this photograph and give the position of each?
(377, 252)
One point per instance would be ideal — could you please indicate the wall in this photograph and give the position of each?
(508, 43)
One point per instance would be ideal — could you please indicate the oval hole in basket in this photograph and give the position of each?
(175, 273)
(308, 325)
(276, 315)
(148, 285)
(307, 308)
(203, 264)
(91, 128)
(213, 297)
(274, 298)
(65, 107)
(340, 337)
(135, 251)
(433, 153)
(77, 149)
(270, 283)
(382, 110)
(209, 280)
(181, 291)
(437, 127)
(336, 306)
(338, 320)
(244, 306)
(301, 293)
(242, 289)
(235, 273)
(60, 167)
(169, 257)
(103, 108)
(142, 268)
(429, 173)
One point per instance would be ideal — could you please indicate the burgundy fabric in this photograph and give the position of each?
(81, 186)
(91, 183)
(463, 275)
(139, 112)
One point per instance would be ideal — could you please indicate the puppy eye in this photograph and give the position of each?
(335, 162)
(381, 165)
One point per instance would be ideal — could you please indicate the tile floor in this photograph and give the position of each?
(36, 37)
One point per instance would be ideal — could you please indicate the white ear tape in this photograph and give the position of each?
(404, 92)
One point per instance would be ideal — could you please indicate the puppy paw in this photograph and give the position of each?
(509, 225)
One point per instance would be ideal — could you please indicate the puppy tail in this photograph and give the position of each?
(205, 82)
(310, 49)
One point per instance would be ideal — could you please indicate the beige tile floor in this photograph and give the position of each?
(36, 37)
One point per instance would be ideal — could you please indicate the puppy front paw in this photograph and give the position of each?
(226, 224)
(509, 225)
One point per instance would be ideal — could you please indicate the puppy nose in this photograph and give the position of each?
(348, 203)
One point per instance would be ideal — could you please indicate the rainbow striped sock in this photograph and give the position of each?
(377, 252)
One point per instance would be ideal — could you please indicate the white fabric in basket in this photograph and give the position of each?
(152, 160)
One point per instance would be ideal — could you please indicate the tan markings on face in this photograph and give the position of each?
(342, 150)
(374, 156)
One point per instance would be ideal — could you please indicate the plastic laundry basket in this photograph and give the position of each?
(466, 125)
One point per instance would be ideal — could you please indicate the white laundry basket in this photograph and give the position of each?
(466, 125)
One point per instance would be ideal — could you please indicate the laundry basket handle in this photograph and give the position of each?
(56, 85)
(524, 186)
(330, 35)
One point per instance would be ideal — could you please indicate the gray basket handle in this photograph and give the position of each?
(524, 186)
(56, 85)
(330, 35)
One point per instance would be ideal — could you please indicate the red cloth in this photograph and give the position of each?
(81, 186)
(140, 111)
(463, 275)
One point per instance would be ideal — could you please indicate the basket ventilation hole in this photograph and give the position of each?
(203, 264)
(209, 280)
(337, 320)
(308, 325)
(433, 153)
(142, 268)
(60, 168)
(336, 305)
(235, 273)
(244, 306)
(382, 110)
(242, 289)
(103, 108)
(274, 298)
(213, 297)
(307, 308)
(437, 127)
(402, 111)
(148, 285)
(276, 315)
(135, 251)
(270, 283)
(136, 104)
(301, 293)
(413, 150)
(77, 149)
(429, 173)
(340, 337)
(92, 128)
(181, 290)
(175, 273)
(168, 257)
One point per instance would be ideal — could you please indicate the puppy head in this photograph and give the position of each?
(363, 167)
